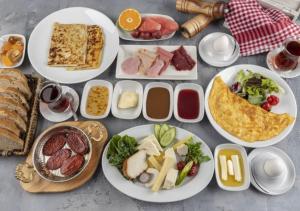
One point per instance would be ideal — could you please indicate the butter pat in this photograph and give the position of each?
(128, 100)
(223, 164)
(236, 168)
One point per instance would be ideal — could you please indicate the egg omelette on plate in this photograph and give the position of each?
(242, 119)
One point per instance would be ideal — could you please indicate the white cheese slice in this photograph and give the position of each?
(182, 150)
(236, 168)
(230, 167)
(168, 164)
(223, 163)
(170, 179)
(153, 139)
(171, 153)
(149, 147)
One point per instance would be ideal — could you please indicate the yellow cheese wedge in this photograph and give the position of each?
(224, 175)
(167, 165)
(154, 163)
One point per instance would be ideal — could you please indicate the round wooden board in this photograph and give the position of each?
(39, 185)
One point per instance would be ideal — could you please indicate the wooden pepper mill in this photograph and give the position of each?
(208, 11)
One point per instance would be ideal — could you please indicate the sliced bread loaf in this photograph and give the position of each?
(14, 116)
(15, 94)
(10, 126)
(9, 81)
(9, 141)
(13, 105)
(15, 73)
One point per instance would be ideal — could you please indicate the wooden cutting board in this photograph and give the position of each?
(29, 179)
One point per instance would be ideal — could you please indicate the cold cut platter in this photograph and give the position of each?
(157, 62)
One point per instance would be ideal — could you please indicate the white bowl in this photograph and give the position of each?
(245, 164)
(195, 87)
(130, 113)
(3, 39)
(147, 88)
(85, 93)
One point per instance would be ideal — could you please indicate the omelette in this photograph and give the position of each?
(242, 119)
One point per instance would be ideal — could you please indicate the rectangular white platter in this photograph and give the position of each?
(125, 51)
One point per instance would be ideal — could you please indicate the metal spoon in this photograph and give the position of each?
(71, 101)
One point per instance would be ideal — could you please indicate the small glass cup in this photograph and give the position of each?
(287, 59)
(51, 94)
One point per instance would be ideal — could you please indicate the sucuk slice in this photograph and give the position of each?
(77, 143)
(56, 160)
(54, 143)
(72, 165)
(131, 65)
(168, 137)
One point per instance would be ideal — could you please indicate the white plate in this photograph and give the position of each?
(287, 103)
(243, 153)
(85, 93)
(289, 179)
(60, 117)
(3, 39)
(170, 73)
(127, 35)
(150, 86)
(130, 113)
(284, 74)
(196, 87)
(188, 189)
(206, 43)
(39, 43)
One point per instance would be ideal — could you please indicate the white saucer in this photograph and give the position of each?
(289, 179)
(206, 44)
(60, 117)
(284, 74)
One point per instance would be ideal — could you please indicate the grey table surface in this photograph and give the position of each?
(21, 16)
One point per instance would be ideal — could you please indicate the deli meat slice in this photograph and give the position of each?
(181, 60)
(155, 69)
(166, 56)
(131, 65)
(54, 143)
(56, 160)
(147, 59)
(72, 165)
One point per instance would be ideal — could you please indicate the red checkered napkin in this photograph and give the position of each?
(258, 29)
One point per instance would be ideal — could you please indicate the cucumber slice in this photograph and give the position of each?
(156, 130)
(168, 137)
(164, 128)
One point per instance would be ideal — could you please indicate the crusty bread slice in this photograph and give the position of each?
(13, 105)
(9, 81)
(10, 126)
(15, 73)
(15, 94)
(9, 141)
(14, 116)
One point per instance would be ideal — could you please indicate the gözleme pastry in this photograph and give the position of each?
(242, 119)
(76, 46)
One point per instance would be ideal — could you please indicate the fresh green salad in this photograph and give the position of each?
(120, 148)
(256, 88)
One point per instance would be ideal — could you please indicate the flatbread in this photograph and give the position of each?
(68, 45)
(242, 119)
(95, 43)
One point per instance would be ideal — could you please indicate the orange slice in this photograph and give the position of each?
(129, 19)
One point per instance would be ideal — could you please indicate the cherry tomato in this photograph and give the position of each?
(135, 34)
(273, 100)
(194, 170)
(266, 106)
(180, 165)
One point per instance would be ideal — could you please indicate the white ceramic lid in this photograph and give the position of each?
(268, 185)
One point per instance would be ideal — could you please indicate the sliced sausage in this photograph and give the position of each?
(56, 160)
(54, 143)
(72, 165)
(77, 143)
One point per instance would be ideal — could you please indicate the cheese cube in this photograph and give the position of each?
(182, 150)
(170, 179)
